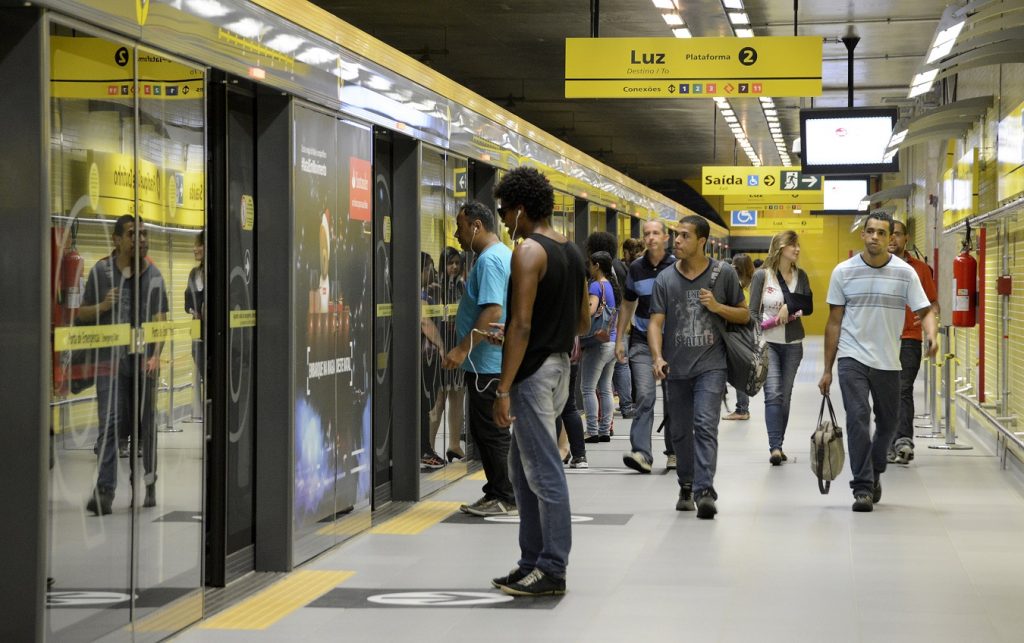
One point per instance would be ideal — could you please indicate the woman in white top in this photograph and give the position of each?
(771, 301)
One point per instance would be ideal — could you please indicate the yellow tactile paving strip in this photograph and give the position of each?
(349, 526)
(264, 609)
(453, 471)
(176, 616)
(418, 519)
(479, 475)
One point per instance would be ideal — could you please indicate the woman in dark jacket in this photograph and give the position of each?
(773, 305)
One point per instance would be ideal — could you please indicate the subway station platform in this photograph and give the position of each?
(939, 559)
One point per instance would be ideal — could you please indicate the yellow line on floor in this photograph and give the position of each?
(262, 610)
(453, 471)
(174, 617)
(418, 519)
(348, 526)
(479, 475)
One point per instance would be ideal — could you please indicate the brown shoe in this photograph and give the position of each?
(737, 416)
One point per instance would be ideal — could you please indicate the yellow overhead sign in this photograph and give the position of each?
(692, 67)
(746, 181)
(769, 226)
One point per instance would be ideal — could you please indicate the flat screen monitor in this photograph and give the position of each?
(845, 195)
(844, 141)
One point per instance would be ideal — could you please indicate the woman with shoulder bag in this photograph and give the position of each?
(598, 361)
(780, 294)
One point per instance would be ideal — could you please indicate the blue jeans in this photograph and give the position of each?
(695, 407)
(622, 381)
(644, 395)
(114, 405)
(783, 363)
(742, 402)
(867, 453)
(542, 495)
(596, 368)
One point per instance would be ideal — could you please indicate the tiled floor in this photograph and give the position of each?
(940, 559)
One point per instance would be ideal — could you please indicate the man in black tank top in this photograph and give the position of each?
(547, 308)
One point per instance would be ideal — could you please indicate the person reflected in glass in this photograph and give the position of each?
(452, 392)
(195, 305)
(109, 299)
(431, 348)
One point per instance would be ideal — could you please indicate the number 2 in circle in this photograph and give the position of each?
(748, 56)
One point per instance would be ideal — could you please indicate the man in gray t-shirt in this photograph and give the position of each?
(687, 349)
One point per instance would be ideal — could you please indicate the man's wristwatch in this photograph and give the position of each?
(500, 394)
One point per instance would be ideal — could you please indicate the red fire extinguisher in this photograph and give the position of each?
(965, 286)
(66, 267)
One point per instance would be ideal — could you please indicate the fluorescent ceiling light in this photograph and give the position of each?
(733, 4)
(664, 4)
(944, 41)
(720, 99)
(285, 44)
(681, 32)
(672, 19)
(739, 18)
(730, 119)
(379, 83)
(772, 119)
(247, 28)
(771, 112)
(765, 100)
(728, 112)
(208, 8)
(922, 83)
(744, 33)
(346, 71)
(316, 56)
(897, 138)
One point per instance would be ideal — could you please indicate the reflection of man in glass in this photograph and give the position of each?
(195, 305)
(108, 299)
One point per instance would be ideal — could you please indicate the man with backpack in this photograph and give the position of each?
(687, 349)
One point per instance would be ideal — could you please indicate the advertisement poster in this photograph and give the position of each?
(331, 324)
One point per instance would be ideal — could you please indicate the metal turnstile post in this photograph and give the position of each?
(947, 399)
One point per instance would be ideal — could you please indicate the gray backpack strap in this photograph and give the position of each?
(716, 269)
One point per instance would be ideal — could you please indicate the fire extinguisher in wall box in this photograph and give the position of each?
(965, 286)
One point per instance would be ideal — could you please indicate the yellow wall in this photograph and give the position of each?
(819, 254)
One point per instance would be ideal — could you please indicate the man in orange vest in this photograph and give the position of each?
(902, 449)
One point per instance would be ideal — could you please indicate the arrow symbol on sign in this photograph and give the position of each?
(728, 88)
(769, 180)
(810, 181)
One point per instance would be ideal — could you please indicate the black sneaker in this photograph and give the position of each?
(604, 438)
(100, 502)
(862, 502)
(904, 454)
(579, 463)
(592, 439)
(536, 583)
(876, 492)
(706, 508)
(776, 457)
(513, 576)
(685, 502)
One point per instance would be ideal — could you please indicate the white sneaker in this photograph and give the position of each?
(579, 463)
(670, 463)
(636, 461)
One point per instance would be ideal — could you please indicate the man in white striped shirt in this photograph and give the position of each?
(867, 296)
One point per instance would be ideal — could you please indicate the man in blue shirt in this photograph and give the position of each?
(634, 315)
(480, 306)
